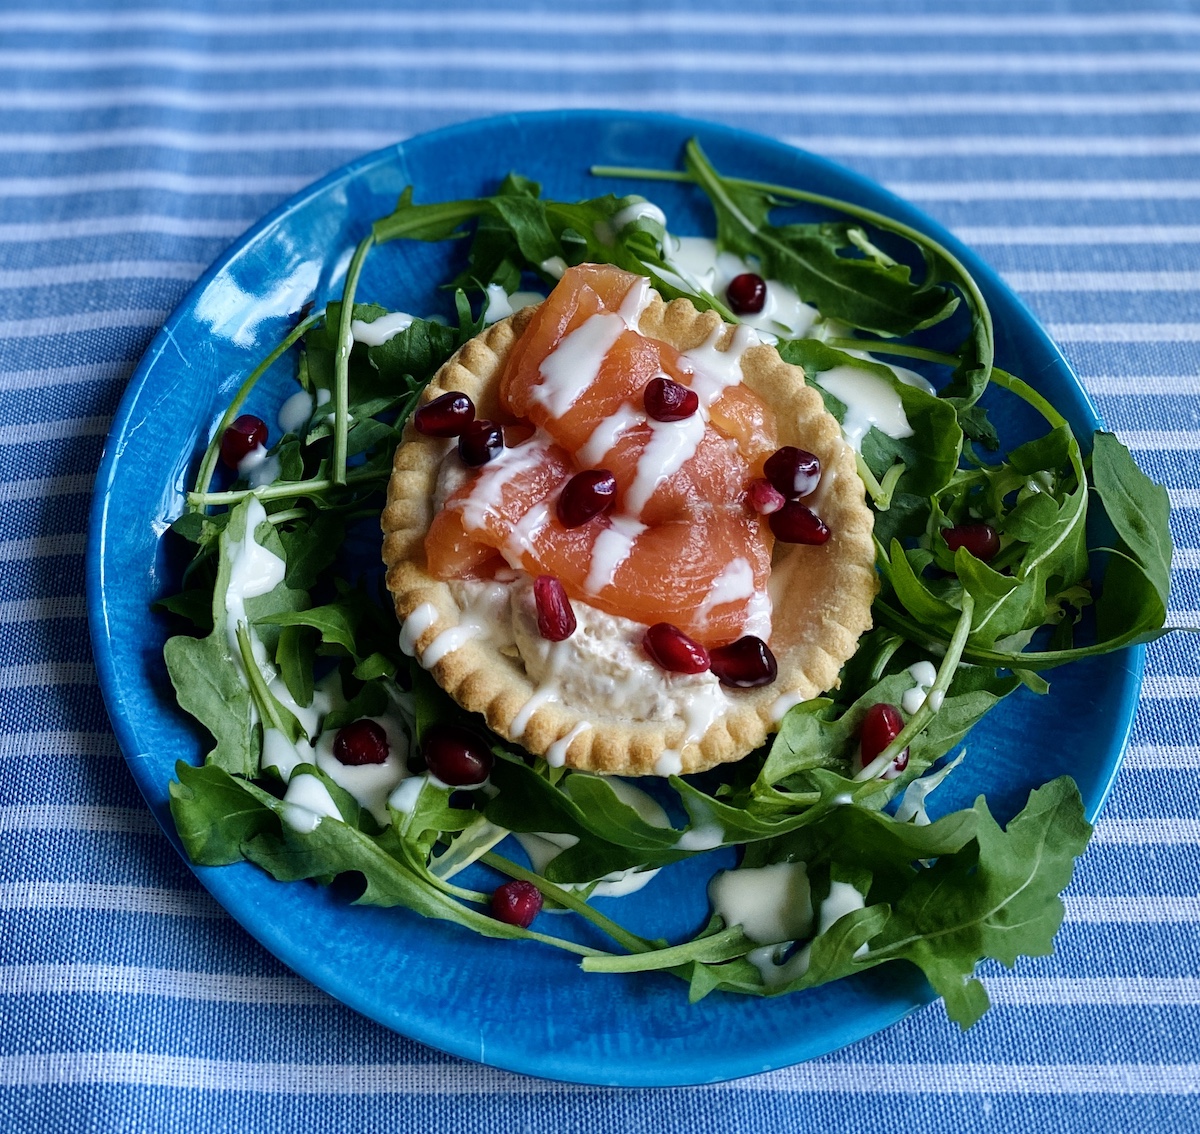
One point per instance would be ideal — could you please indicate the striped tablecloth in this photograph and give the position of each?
(1062, 141)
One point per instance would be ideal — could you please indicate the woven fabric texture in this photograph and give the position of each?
(1060, 140)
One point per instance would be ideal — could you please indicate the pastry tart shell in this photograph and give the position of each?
(822, 594)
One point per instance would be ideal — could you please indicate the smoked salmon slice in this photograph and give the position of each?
(681, 545)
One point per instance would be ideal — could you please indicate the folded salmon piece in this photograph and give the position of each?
(681, 544)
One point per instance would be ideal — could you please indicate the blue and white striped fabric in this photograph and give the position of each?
(1061, 141)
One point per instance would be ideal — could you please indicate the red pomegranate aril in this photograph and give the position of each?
(479, 442)
(980, 540)
(586, 495)
(744, 664)
(794, 523)
(880, 727)
(446, 416)
(242, 438)
(746, 293)
(672, 650)
(517, 903)
(555, 618)
(361, 742)
(764, 497)
(795, 472)
(666, 400)
(456, 755)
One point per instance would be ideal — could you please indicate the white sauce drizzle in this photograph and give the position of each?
(672, 444)
(284, 756)
(253, 571)
(555, 266)
(912, 802)
(924, 675)
(714, 371)
(487, 493)
(525, 531)
(377, 332)
(369, 784)
(476, 620)
(306, 802)
(257, 467)
(606, 435)
(703, 838)
(295, 412)
(613, 546)
(572, 366)
(770, 903)
(635, 212)
(498, 306)
(556, 754)
(735, 583)
(869, 401)
(415, 625)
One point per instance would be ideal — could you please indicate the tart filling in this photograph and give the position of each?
(637, 433)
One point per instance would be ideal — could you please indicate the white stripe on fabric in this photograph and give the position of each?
(76, 817)
(1103, 281)
(64, 375)
(1125, 332)
(108, 897)
(17, 612)
(1183, 619)
(1170, 688)
(1020, 235)
(41, 547)
(1184, 497)
(89, 227)
(162, 180)
(1187, 558)
(58, 742)
(44, 487)
(569, 22)
(359, 140)
(235, 988)
(1159, 757)
(35, 432)
(127, 980)
(1050, 190)
(1176, 440)
(1129, 909)
(43, 325)
(160, 137)
(101, 270)
(188, 1072)
(1123, 991)
(970, 145)
(503, 98)
(1148, 831)
(1141, 385)
(46, 674)
(558, 61)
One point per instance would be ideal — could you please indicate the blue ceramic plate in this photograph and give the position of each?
(513, 1004)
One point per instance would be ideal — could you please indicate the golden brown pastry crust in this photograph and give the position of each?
(821, 608)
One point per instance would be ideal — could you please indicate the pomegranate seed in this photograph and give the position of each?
(795, 472)
(764, 497)
(666, 400)
(746, 293)
(670, 648)
(479, 442)
(242, 438)
(456, 755)
(585, 495)
(880, 727)
(517, 903)
(794, 523)
(980, 540)
(556, 619)
(361, 742)
(446, 416)
(744, 664)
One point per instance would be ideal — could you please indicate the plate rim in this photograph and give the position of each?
(212, 878)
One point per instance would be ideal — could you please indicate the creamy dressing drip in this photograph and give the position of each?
(254, 570)
(924, 675)
(614, 544)
(869, 401)
(771, 903)
(306, 802)
(294, 413)
(378, 331)
(500, 305)
(556, 754)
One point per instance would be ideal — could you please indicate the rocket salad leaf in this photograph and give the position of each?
(941, 895)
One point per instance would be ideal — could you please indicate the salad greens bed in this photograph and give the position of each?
(942, 894)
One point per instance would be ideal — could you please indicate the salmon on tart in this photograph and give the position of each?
(627, 533)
